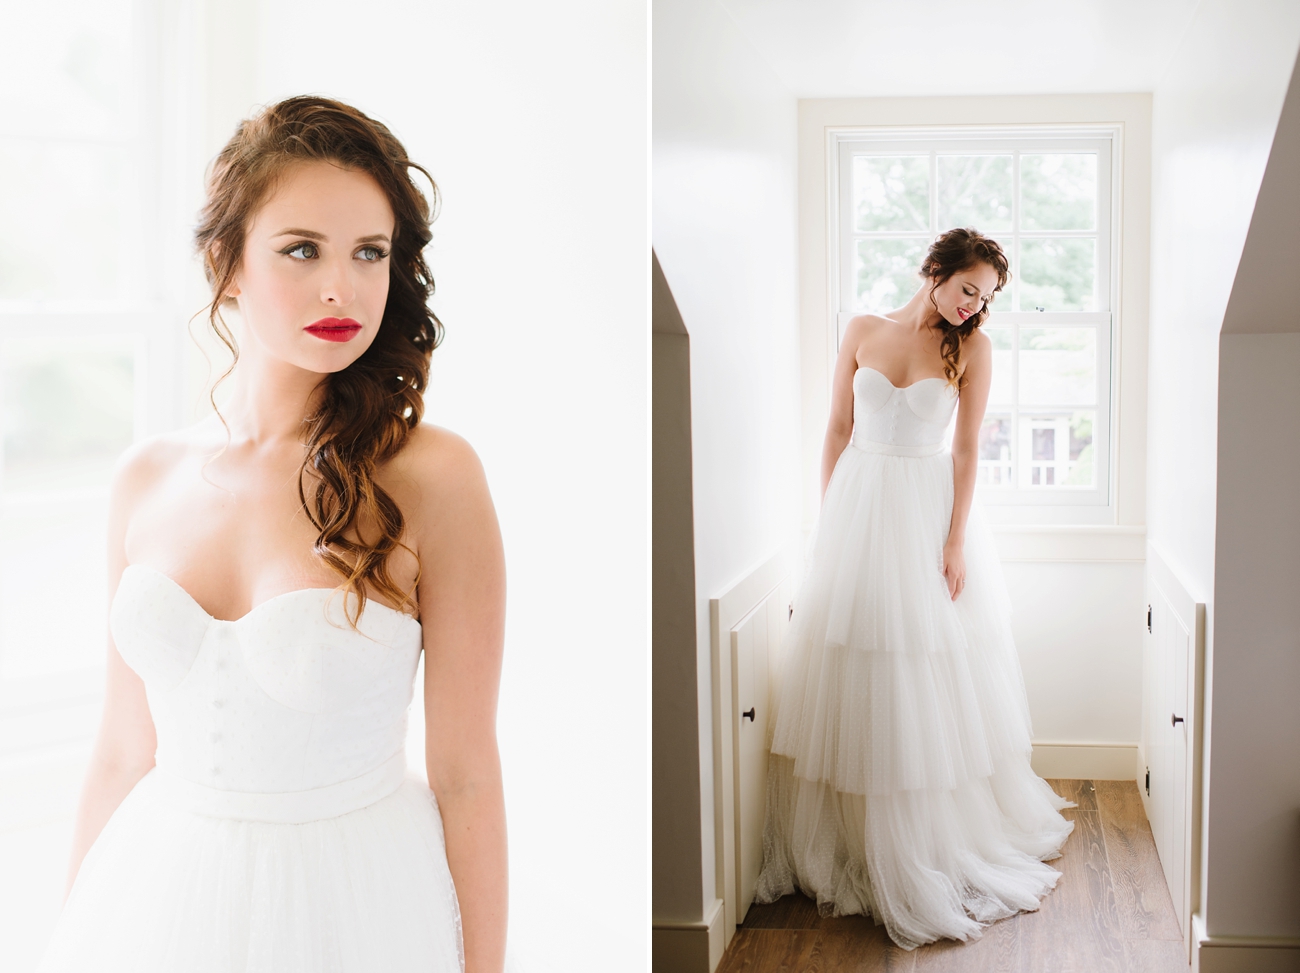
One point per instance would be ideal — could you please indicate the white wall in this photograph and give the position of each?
(724, 231)
(1214, 117)
(1253, 867)
(533, 120)
(1078, 628)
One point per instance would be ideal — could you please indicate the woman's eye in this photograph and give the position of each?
(372, 254)
(301, 251)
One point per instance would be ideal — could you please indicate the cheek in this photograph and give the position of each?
(270, 289)
(380, 289)
(377, 292)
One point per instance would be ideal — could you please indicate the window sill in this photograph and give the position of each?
(1070, 542)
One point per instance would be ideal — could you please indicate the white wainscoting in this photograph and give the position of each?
(760, 593)
(1173, 661)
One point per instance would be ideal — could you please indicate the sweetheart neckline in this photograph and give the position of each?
(261, 604)
(898, 388)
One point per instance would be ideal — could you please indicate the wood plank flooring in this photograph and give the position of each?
(1109, 913)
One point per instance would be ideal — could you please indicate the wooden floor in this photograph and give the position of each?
(1109, 913)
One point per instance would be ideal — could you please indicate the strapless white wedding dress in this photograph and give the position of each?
(899, 784)
(278, 832)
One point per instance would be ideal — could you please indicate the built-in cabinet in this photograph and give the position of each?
(1169, 781)
(748, 622)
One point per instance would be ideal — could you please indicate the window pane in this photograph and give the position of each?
(975, 190)
(69, 411)
(71, 74)
(52, 564)
(887, 272)
(1058, 366)
(891, 192)
(994, 468)
(1058, 275)
(60, 238)
(1058, 449)
(1058, 192)
(1001, 391)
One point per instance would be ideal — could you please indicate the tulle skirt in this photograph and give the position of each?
(899, 784)
(165, 889)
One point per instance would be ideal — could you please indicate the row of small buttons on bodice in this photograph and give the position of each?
(226, 641)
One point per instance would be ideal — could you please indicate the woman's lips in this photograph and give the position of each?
(334, 329)
(963, 313)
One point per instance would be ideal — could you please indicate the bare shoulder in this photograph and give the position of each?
(147, 463)
(864, 325)
(977, 340)
(438, 467)
(977, 347)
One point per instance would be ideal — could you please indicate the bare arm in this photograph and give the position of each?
(839, 427)
(978, 353)
(126, 742)
(462, 610)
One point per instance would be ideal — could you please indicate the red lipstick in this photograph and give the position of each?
(334, 329)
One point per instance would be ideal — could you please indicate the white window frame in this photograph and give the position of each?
(1074, 504)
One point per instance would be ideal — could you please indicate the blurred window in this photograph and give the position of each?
(1046, 196)
(78, 319)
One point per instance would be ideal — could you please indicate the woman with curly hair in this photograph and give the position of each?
(277, 571)
(899, 784)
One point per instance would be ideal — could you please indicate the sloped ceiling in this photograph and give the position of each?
(865, 48)
(1264, 299)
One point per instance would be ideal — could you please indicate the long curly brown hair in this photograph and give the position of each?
(952, 252)
(367, 410)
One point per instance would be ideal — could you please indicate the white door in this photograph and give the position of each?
(755, 643)
(1168, 705)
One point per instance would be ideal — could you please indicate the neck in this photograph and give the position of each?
(919, 314)
(268, 400)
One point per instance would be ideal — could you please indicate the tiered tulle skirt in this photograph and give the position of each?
(167, 889)
(899, 784)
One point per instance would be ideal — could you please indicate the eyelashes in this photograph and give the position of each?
(306, 250)
(301, 251)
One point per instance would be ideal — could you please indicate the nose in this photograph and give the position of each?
(337, 287)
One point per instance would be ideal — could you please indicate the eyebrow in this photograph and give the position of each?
(313, 235)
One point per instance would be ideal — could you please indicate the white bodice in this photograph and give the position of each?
(904, 420)
(288, 698)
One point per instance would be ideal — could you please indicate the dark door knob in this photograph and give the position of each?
(1174, 720)
(748, 714)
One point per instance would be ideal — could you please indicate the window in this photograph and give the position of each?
(88, 354)
(1046, 196)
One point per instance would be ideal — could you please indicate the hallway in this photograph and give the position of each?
(1110, 913)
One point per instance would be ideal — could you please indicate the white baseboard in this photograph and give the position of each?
(689, 947)
(1242, 954)
(1086, 761)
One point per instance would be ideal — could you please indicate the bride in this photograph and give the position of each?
(278, 570)
(899, 784)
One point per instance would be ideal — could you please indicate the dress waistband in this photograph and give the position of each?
(894, 449)
(291, 807)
